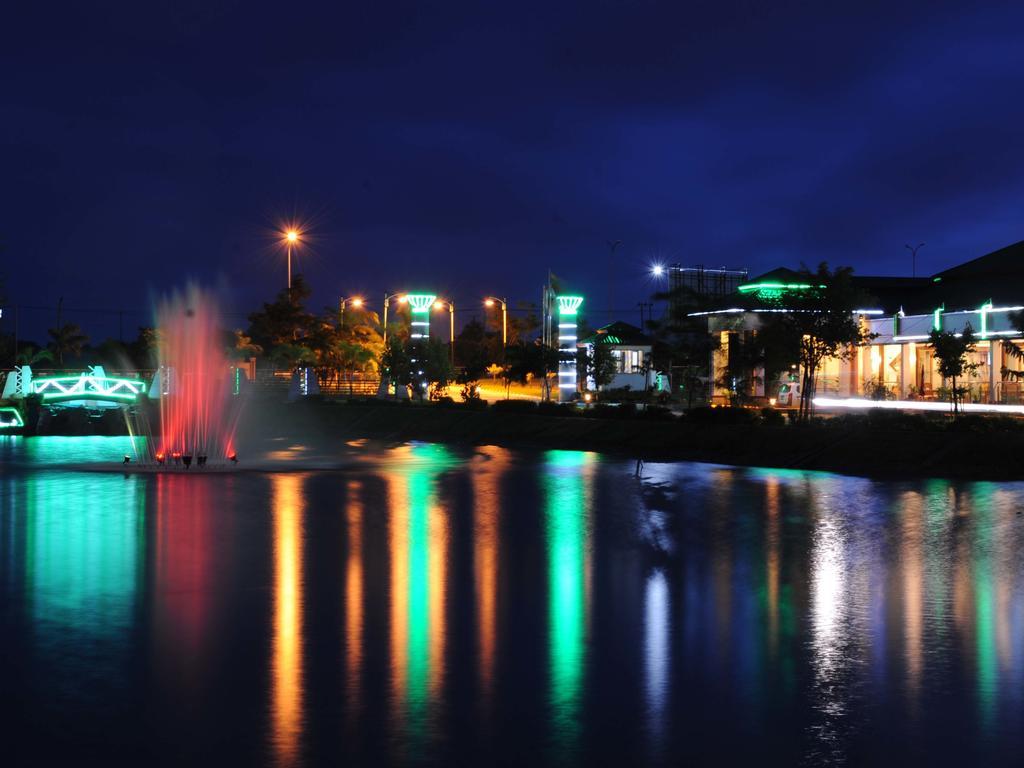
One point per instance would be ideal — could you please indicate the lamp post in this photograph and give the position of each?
(913, 257)
(489, 302)
(387, 300)
(439, 304)
(355, 301)
(291, 237)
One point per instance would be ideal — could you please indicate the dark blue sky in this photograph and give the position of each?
(466, 149)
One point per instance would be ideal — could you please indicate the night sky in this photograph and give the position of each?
(468, 149)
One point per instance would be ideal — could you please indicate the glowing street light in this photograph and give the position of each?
(490, 301)
(355, 301)
(291, 238)
(657, 270)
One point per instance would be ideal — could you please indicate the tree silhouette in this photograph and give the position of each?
(66, 339)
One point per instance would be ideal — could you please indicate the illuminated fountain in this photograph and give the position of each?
(198, 414)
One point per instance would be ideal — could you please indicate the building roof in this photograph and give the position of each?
(618, 334)
(996, 276)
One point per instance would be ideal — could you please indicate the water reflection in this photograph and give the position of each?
(465, 607)
(418, 543)
(354, 601)
(656, 657)
(567, 477)
(489, 466)
(287, 675)
(83, 544)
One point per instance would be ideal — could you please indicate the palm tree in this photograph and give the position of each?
(67, 338)
(31, 354)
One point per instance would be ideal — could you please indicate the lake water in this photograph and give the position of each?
(442, 606)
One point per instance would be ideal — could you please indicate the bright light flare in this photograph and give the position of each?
(489, 302)
(357, 302)
(438, 305)
(657, 270)
(858, 403)
(403, 299)
(292, 236)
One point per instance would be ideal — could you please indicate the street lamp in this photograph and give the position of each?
(439, 304)
(291, 238)
(387, 300)
(913, 257)
(490, 301)
(355, 301)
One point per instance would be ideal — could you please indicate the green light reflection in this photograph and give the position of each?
(567, 509)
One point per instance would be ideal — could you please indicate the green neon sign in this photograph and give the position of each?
(420, 302)
(985, 309)
(87, 386)
(776, 288)
(937, 318)
(10, 418)
(567, 305)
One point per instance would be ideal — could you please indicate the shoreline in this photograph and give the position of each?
(853, 447)
(879, 446)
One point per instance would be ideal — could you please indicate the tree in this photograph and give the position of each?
(474, 359)
(243, 346)
(343, 348)
(523, 326)
(396, 363)
(284, 321)
(30, 354)
(597, 363)
(143, 350)
(821, 323)
(952, 352)
(435, 366)
(66, 339)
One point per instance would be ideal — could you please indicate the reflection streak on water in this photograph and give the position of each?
(83, 543)
(773, 545)
(567, 480)
(656, 656)
(486, 476)
(913, 598)
(287, 683)
(418, 542)
(354, 599)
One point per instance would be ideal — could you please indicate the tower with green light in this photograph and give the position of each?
(420, 305)
(568, 308)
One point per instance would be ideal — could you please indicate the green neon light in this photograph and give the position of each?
(985, 309)
(776, 287)
(10, 418)
(86, 386)
(567, 305)
(937, 321)
(238, 381)
(420, 302)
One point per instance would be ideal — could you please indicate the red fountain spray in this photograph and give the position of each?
(197, 421)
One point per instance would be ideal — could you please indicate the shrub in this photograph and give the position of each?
(772, 418)
(720, 416)
(515, 406)
(658, 413)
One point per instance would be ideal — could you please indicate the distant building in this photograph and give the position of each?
(897, 363)
(631, 350)
(689, 284)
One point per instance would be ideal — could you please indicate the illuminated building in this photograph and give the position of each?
(896, 367)
(568, 306)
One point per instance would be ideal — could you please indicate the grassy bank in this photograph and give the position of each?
(882, 444)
